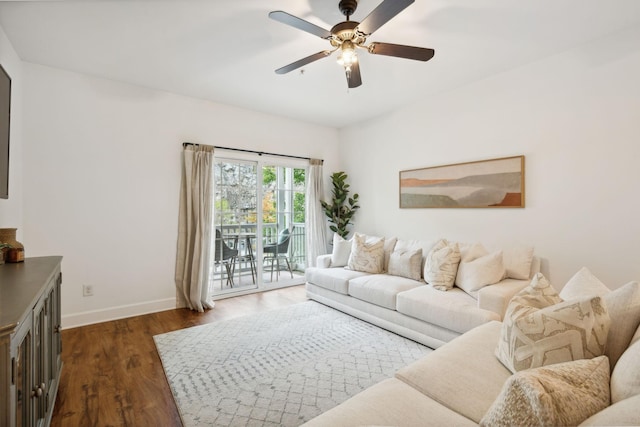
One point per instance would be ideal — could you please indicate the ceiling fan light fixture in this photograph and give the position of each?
(347, 55)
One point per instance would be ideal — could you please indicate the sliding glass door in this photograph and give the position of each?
(259, 225)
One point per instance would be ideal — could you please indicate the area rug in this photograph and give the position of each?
(277, 368)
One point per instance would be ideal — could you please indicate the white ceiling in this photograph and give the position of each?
(227, 50)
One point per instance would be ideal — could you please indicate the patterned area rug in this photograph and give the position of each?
(278, 368)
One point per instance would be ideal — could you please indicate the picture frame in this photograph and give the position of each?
(493, 183)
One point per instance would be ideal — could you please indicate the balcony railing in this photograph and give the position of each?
(297, 244)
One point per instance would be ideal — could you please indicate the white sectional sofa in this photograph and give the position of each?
(410, 307)
(463, 383)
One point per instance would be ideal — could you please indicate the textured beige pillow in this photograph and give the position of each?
(341, 251)
(535, 334)
(583, 284)
(486, 270)
(564, 394)
(441, 265)
(367, 256)
(406, 263)
(517, 262)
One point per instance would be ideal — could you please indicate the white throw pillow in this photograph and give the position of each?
(623, 305)
(341, 251)
(471, 251)
(625, 378)
(389, 245)
(486, 270)
(517, 262)
(441, 265)
(410, 245)
(583, 284)
(367, 256)
(405, 263)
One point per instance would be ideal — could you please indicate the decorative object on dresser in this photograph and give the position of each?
(14, 252)
(30, 343)
(496, 183)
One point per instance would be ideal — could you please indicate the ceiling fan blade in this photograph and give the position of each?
(304, 61)
(401, 51)
(300, 24)
(353, 77)
(382, 14)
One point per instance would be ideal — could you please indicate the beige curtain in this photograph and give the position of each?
(316, 220)
(193, 259)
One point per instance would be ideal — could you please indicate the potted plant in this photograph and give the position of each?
(342, 208)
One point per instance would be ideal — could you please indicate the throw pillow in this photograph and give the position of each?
(367, 256)
(537, 295)
(564, 394)
(517, 262)
(389, 245)
(441, 265)
(623, 305)
(406, 264)
(583, 284)
(486, 270)
(471, 251)
(341, 251)
(625, 378)
(533, 335)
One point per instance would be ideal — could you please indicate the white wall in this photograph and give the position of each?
(576, 118)
(102, 177)
(11, 208)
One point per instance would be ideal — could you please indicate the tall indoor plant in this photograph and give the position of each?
(342, 208)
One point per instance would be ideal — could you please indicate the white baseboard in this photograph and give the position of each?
(114, 313)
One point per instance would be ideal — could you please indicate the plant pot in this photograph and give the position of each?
(16, 252)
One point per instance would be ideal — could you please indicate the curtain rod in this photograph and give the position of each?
(260, 153)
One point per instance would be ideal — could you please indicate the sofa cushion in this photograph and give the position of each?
(454, 309)
(341, 251)
(496, 297)
(441, 265)
(390, 402)
(463, 375)
(483, 271)
(625, 378)
(367, 255)
(623, 413)
(334, 279)
(406, 263)
(534, 335)
(380, 289)
(564, 394)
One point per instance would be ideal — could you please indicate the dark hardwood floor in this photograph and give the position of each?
(112, 375)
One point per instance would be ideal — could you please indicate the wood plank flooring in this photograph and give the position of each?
(112, 375)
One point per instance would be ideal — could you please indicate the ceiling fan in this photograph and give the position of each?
(349, 35)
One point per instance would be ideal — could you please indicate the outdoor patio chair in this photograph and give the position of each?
(273, 253)
(226, 256)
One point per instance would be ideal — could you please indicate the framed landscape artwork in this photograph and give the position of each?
(496, 183)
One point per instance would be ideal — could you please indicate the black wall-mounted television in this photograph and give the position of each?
(5, 121)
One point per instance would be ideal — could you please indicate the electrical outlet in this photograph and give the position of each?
(87, 290)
